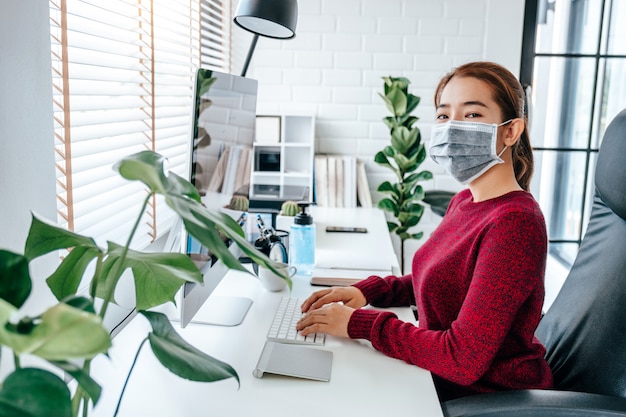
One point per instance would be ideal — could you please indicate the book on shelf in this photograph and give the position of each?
(339, 182)
(362, 186)
(338, 179)
(350, 183)
(332, 182)
(321, 180)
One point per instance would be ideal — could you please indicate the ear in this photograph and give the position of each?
(513, 131)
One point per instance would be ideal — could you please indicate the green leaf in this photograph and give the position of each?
(103, 287)
(417, 236)
(415, 209)
(44, 237)
(178, 186)
(418, 193)
(391, 226)
(420, 176)
(409, 121)
(145, 166)
(389, 151)
(388, 205)
(30, 392)
(207, 81)
(386, 187)
(203, 224)
(81, 303)
(391, 122)
(157, 276)
(401, 161)
(399, 137)
(62, 333)
(15, 282)
(180, 357)
(381, 159)
(67, 277)
(86, 382)
(387, 101)
(421, 155)
(397, 100)
(412, 221)
(412, 102)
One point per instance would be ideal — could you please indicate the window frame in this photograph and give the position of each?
(537, 10)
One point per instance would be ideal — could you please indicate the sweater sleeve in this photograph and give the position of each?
(390, 291)
(509, 268)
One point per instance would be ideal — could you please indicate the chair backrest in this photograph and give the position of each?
(584, 330)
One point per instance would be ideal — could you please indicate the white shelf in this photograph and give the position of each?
(286, 152)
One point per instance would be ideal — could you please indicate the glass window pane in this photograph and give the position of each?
(591, 188)
(566, 26)
(617, 29)
(562, 99)
(611, 94)
(558, 185)
(564, 253)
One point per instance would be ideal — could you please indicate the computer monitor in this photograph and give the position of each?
(222, 134)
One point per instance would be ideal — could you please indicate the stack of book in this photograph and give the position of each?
(340, 181)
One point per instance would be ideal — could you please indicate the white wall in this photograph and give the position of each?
(333, 67)
(27, 176)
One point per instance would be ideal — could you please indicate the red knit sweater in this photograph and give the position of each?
(478, 287)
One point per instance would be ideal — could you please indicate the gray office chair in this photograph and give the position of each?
(584, 330)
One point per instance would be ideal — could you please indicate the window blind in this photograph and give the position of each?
(122, 74)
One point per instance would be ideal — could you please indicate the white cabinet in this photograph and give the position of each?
(284, 151)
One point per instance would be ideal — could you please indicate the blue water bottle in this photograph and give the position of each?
(302, 241)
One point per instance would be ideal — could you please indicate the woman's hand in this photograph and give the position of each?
(329, 310)
(330, 319)
(349, 296)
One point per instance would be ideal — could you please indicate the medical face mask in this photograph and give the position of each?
(465, 149)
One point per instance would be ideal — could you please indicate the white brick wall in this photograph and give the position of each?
(333, 68)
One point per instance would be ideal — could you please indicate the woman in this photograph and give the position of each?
(478, 280)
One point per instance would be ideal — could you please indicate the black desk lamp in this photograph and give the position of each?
(271, 18)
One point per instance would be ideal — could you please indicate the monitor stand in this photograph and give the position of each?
(222, 311)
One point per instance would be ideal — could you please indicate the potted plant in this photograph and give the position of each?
(289, 208)
(403, 156)
(69, 334)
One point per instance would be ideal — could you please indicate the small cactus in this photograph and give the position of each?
(239, 203)
(289, 208)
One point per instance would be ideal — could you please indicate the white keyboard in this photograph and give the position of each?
(283, 328)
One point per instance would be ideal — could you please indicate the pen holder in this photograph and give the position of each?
(284, 238)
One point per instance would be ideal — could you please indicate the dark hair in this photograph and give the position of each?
(508, 93)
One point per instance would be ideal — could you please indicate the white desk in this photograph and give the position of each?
(364, 382)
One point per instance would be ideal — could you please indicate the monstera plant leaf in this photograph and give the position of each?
(180, 357)
(31, 392)
(203, 224)
(158, 276)
(61, 333)
(15, 282)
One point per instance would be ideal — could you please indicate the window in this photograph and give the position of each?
(122, 82)
(574, 61)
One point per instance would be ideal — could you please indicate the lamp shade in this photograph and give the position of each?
(270, 18)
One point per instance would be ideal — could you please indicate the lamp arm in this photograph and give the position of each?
(249, 56)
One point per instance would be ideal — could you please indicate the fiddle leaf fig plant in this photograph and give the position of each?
(69, 334)
(402, 156)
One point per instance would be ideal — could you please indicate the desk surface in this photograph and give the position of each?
(364, 381)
